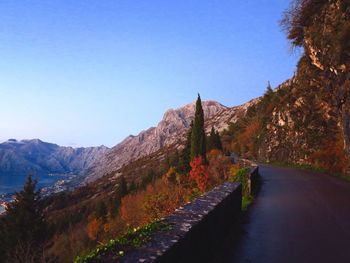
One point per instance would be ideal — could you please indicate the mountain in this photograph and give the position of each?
(42, 158)
(305, 121)
(171, 130)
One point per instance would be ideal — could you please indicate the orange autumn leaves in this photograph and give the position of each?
(164, 195)
(331, 157)
(199, 173)
(158, 200)
(167, 193)
(93, 228)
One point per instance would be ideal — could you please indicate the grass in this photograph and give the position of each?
(117, 248)
(246, 202)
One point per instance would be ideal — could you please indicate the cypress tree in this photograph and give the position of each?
(211, 140)
(184, 163)
(218, 144)
(123, 188)
(198, 140)
(101, 211)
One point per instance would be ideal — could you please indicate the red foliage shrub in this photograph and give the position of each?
(199, 173)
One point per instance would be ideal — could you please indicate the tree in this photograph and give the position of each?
(101, 211)
(132, 187)
(214, 140)
(267, 102)
(94, 228)
(199, 173)
(269, 90)
(23, 228)
(148, 178)
(184, 162)
(299, 15)
(123, 188)
(217, 141)
(198, 140)
(210, 140)
(171, 175)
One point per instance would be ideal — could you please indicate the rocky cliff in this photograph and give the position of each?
(306, 119)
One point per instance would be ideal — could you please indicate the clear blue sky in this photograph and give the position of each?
(91, 72)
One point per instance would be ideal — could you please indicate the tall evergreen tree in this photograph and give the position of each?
(123, 188)
(184, 163)
(217, 141)
(213, 140)
(101, 210)
(198, 141)
(23, 228)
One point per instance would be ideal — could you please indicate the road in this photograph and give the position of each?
(298, 216)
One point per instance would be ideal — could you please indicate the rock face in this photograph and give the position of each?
(42, 158)
(326, 44)
(170, 130)
(306, 120)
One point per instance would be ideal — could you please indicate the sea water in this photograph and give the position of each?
(13, 183)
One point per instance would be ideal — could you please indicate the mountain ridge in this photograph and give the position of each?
(39, 157)
(18, 157)
(171, 130)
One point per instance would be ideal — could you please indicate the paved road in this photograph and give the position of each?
(298, 217)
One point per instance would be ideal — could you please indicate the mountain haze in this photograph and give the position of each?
(42, 158)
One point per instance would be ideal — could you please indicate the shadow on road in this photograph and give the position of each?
(227, 250)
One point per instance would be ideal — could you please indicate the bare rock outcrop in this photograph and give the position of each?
(170, 130)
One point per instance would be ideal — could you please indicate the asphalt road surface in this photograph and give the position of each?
(298, 216)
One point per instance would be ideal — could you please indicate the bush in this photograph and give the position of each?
(242, 176)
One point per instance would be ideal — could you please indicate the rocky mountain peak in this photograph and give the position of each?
(169, 131)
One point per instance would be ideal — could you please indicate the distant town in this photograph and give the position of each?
(60, 186)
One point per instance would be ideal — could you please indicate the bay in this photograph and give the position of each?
(13, 183)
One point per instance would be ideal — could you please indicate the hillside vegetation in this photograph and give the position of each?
(137, 195)
(306, 119)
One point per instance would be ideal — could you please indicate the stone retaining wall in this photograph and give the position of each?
(254, 180)
(196, 228)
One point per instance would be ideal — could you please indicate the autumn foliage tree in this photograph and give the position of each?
(93, 228)
(219, 168)
(199, 173)
(131, 209)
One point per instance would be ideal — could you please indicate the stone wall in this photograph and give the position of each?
(196, 228)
